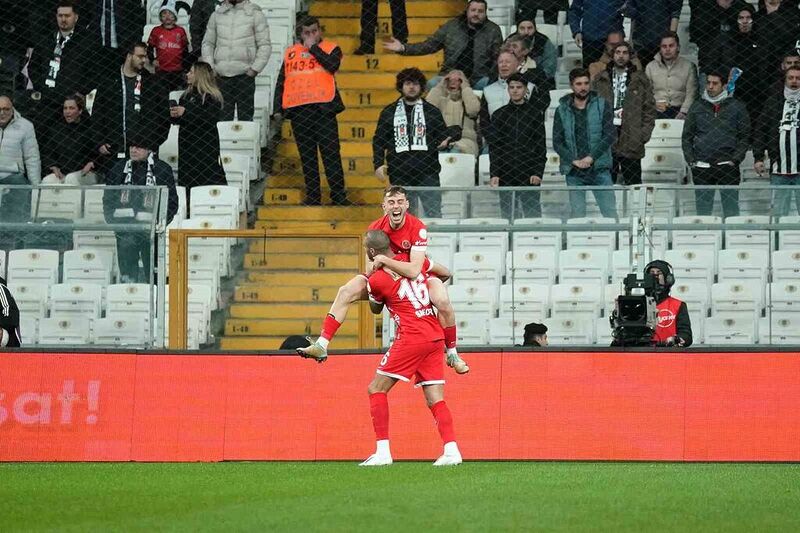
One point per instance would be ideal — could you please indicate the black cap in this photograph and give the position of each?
(292, 342)
(140, 138)
(535, 329)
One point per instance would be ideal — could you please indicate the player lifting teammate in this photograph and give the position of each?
(408, 236)
(416, 352)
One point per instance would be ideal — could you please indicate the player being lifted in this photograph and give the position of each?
(408, 236)
(416, 352)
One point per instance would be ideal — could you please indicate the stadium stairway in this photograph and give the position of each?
(287, 290)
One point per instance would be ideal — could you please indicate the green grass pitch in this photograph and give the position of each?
(475, 496)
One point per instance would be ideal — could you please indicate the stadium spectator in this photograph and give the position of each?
(674, 324)
(9, 318)
(550, 9)
(540, 48)
(197, 114)
(777, 28)
(790, 59)
(407, 141)
(583, 132)
(307, 95)
(470, 42)
(518, 152)
(20, 163)
(612, 39)
(716, 136)
(168, 48)
(198, 22)
(520, 46)
(779, 138)
(708, 23)
(590, 22)
(142, 169)
(460, 107)
(649, 21)
(117, 24)
(236, 45)
(369, 23)
(134, 99)
(674, 79)
(63, 62)
(68, 150)
(535, 335)
(629, 92)
(15, 39)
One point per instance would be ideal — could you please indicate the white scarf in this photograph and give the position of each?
(403, 139)
(715, 99)
(791, 94)
(620, 84)
(55, 63)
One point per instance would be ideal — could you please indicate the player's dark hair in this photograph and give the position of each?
(377, 240)
(411, 74)
(394, 190)
(720, 73)
(670, 35)
(67, 3)
(576, 73)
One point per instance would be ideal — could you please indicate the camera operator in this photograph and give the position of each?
(674, 326)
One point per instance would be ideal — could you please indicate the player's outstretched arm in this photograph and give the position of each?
(440, 271)
(410, 269)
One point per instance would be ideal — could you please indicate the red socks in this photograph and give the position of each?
(450, 336)
(329, 327)
(444, 420)
(379, 409)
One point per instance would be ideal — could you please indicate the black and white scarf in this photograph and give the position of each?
(150, 179)
(788, 162)
(55, 63)
(404, 140)
(619, 82)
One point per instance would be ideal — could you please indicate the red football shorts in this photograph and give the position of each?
(424, 362)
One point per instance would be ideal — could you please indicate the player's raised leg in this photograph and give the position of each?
(379, 410)
(447, 319)
(434, 396)
(349, 293)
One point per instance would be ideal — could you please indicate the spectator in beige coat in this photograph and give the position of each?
(237, 47)
(674, 79)
(460, 107)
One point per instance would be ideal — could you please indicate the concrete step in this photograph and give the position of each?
(374, 80)
(280, 311)
(273, 343)
(287, 294)
(329, 279)
(349, 149)
(366, 97)
(286, 196)
(239, 327)
(414, 8)
(348, 131)
(351, 181)
(312, 227)
(307, 245)
(349, 262)
(309, 213)
(362, 114)
(391, 63)
(352, 26)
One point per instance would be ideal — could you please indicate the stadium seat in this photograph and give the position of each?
(217, 202)
(477, 268)
(605, 240)
(743, 265)
(740, 298)
(622, 263)
(64, 331)
(786, 265)
(602, 331)
(576, 330)
(441, 246)
(552, 169)
(525, 301)
(697, 240)
(789, 239)
(572, 299)
(458, 170)
(656, 244)
(213, 245)
(666, 134)
(583, 265)
(168, 151)
(198, 315)
(237, 174)
(31, 297)
(56, 202)
(754, 240)
(472, 301)
(117, 331)
(3, 264)
(203, 269)
(242, 138)
(76, 299)
(784, 330)
(471, 331)
(697, 296)
(663, 165)
(33, 265)
(555, 97)
(93, 205)
(729, 330)
(784, 296)
(537, 266)
(88, 266)
(553, 33)
(29, 330)
(105, 241)
(524, 241)
(495, 242)
(505, 331)
(692, 265)
(128, 300)
(610, 293)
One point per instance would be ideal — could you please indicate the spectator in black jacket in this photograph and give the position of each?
(9, 318)
(777, 28)
(198, 21)
(63, 62)
(518, 151)
(145, 170)
(716, 136)
(407, 141)
(131, 99)
(709, 21)
(68, 149)
(116, 24)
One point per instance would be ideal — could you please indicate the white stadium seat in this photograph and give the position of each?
(128, 300)
(692, 265)
(783, 330)
(119, 331)
(606, 240)
(583, 265)
(736, 298)
(93, 205)
(524, 301)
(2, 263)
(577, 330)
(219, 202)
(442, 246)
(527, 240)
(755, 240)
(76, 300)
(237, 174)
(602, 331)
(33, 265)
(88, 266)
(29, 330)
(786, 264)
(505, 331)
(472, 301)
(488, 243)
(663, 165)
(666, 134)
(696, 295)
(458, 170)
(61, 331)
(697, 240)
(784, 295)
(243, 138)
(573, 299)
(168, 151)
(213, 245)
(728, 330)
(471, 331)
(477, 268)
(789, 239)
(31, 298)
(58, 201)
(203, 270)
(532, 266)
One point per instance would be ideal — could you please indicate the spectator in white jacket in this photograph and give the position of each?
(237, 46)
(20, 163)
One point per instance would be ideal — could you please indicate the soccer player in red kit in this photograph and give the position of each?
(409, 236)
(416, 352)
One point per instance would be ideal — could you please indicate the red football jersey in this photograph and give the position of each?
(411, 235)
(408, 302)
(171, 46)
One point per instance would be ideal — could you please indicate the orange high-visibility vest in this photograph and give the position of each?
(305, 81)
